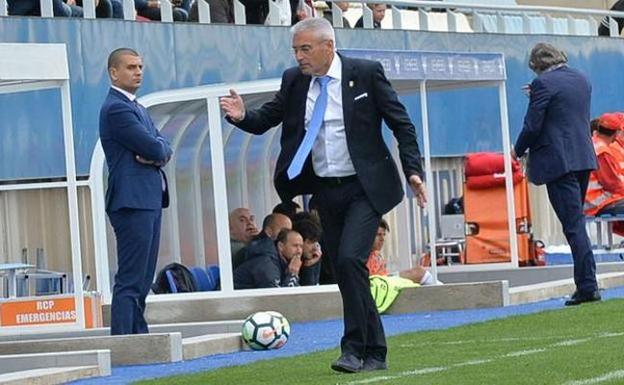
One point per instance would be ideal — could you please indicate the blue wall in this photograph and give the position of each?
(184, 55)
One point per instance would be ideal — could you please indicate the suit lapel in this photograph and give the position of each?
(348, 82)
(300, 95)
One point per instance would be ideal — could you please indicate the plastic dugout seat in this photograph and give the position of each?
(171, 281)
(214, 272)
(204, 281)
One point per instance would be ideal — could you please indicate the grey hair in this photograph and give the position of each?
(543, 56)
(319, 25)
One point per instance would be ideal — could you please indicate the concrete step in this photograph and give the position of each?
(187, 329)
(520, 277)
(125, 350)
(20, 362)
(325, 303)
(49, 376)
(557, 289)
(200, 346)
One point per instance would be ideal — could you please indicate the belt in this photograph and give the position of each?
(333, 181)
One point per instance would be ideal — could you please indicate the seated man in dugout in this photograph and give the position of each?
(618, 143)
(242, 230)
(310, 229)
(376, 263)
(277, 267)
(605, 191)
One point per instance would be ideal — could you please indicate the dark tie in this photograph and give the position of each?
(313, 129)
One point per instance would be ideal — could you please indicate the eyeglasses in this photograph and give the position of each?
(306, 49)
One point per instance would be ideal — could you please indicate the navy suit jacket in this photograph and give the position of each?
(371, 158)
(556, 127)
(126, 130)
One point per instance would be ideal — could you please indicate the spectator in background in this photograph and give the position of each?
(242, 229)
(221, 11)
(309, 227)
(376, 263)
(379, 12)
(344, 6)
(264, 243)
(151, 9)
(300, 10)
(556, 132)
(33, 8)
(275, 269)
(603, 30)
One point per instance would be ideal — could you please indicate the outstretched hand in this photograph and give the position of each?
(419, 190)
(233, 106)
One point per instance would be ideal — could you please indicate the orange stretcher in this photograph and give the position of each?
(487, 232)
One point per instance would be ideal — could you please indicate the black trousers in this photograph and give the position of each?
(349, 227)
(567, 195)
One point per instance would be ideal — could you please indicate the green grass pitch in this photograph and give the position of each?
(573, 346)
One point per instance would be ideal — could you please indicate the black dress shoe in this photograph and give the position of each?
(580, 296)
(347, 363)
(371, 364)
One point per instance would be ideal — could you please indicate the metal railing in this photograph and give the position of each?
(498, 16)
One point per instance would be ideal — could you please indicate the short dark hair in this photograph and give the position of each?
(384, 225)
(594, 124)
(287, 208)
(309, 229)
(306, 215)
(606, 131)
(283, 235)
(113, 58)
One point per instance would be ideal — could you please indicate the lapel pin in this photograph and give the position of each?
(351, 83)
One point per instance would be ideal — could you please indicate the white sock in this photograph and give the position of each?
(427, 279)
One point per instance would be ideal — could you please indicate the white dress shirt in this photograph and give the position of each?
(125, 93)
(330, 155)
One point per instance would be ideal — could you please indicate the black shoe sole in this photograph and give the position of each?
(576, 303)
(343, 369)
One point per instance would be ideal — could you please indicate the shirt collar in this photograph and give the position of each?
(335, 69)
(125, 93)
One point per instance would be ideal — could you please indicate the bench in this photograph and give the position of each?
(607, 220)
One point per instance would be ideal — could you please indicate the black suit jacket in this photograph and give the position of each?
(376, 100)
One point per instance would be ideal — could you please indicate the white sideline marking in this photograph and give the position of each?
(616, 375)
(524, 352)
(408, 373)
(572, 342)
(607, 377)
(493, 340)
(473, 362)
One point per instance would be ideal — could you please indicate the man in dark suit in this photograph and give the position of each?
(137, 189)
(331, 108)
(556, 132)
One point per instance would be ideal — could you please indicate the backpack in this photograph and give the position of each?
(174, 278)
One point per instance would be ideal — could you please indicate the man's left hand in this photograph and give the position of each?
(418, 187)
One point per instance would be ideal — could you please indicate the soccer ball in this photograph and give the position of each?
(266, 330)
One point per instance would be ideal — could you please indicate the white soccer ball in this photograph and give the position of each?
(266, 330)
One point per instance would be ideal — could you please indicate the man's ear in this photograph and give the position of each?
(112, 72)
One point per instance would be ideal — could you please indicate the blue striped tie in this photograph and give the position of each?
(313, 129)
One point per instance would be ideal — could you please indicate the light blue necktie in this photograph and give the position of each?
(313, 129)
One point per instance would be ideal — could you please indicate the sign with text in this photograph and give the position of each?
(431, 65)
(57, 309)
